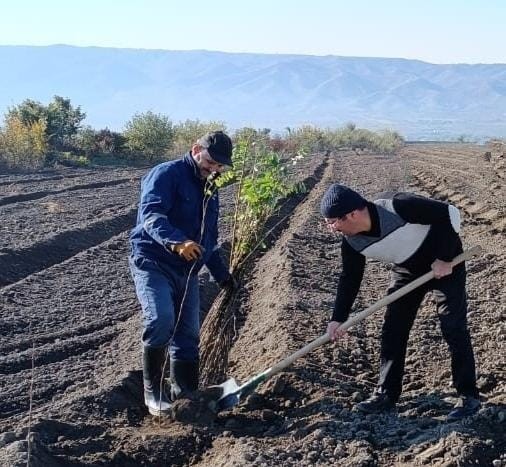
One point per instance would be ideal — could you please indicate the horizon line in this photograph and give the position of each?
(253, 53)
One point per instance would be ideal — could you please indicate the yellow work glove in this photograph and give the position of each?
(188, 250)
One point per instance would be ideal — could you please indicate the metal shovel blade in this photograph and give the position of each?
(227, 395)
(230, 393)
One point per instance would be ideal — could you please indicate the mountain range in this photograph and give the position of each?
(419, 99)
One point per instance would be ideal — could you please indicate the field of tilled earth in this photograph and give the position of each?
(68, 310)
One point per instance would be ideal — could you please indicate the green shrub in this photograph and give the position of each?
(262, 180)
(188, 132)
(23, 145)
(70, 159)
(149, 135)
(61, 119)
(99, 143)
(389, 141)
(307, 139)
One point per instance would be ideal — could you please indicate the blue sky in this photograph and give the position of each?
(444, 31)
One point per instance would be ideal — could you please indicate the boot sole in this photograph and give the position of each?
(156, 411)
(376, 411)
(159, 413)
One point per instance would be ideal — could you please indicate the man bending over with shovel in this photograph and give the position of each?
(416, 234)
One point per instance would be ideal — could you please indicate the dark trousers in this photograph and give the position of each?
(450, 294)
(160, 290)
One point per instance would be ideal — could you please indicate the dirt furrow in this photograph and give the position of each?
(32, 183)
(23, 342)
(18, 264)
(42, 194)
(27, 223)
(44, 309)
(13, 180)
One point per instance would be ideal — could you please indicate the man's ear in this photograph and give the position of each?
(196, 148)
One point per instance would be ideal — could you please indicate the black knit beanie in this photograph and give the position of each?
(340, 200)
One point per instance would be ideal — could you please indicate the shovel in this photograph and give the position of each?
(230, 393)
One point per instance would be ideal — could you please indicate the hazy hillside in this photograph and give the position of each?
(420, 99)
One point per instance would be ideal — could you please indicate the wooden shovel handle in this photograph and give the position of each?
(466, 255)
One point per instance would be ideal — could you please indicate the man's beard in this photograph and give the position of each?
(213, 176)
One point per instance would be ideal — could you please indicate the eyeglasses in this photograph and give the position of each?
(331, 223)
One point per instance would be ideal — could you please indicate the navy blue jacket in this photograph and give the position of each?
(170, 211)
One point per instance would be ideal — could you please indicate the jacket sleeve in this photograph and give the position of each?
(217, 267)
(349, 281)
(215, 263)
(443, 218)
(157, 198)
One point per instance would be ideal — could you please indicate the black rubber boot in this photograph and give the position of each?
(156, 401)
(184, 378)
(466, 407)
(377, 403)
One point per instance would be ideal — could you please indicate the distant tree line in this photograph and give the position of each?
(34, 135)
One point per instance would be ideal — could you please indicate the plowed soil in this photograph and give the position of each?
(68, 310)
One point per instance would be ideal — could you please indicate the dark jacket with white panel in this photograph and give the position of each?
(407, 230)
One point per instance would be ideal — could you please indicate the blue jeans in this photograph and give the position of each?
(160, 290)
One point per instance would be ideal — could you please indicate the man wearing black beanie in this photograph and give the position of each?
(416, 234)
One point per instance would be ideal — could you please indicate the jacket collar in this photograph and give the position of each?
(190, 161)
(192, 165)
(375, 222)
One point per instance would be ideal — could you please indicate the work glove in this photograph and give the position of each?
(229, 282)
(189, 250)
